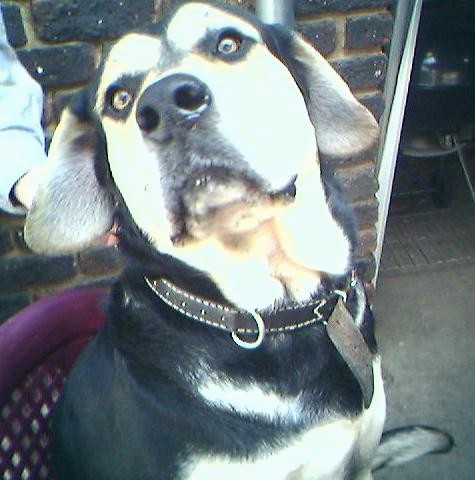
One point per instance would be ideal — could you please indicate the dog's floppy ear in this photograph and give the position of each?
(343, 126)
(70, 208)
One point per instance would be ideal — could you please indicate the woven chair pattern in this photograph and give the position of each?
(38, 347)
(26, 422)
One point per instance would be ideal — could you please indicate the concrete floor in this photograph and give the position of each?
(426, 332)
(425, 317)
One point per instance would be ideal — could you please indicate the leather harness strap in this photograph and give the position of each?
(351, 345)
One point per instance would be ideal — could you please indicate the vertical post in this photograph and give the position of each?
(390, 145)
(276, 12)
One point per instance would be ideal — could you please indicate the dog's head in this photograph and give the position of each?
(210, 126)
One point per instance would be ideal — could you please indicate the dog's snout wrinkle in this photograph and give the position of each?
(177, 100)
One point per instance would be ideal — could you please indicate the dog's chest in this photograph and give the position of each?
(324, 451)
(320, 453)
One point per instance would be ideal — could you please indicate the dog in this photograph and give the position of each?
(239, 341)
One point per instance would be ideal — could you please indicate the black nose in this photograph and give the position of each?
(178, 99)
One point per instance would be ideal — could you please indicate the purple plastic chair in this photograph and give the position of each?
(38, 347)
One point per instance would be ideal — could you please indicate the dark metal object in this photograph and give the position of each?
(276, 12)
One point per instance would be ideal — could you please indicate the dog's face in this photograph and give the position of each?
(212, 124)
(196, 110)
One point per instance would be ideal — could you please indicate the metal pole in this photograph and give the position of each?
(276, 12)
(464, 165)
(390, 145)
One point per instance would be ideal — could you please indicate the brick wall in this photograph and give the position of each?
(60, 41)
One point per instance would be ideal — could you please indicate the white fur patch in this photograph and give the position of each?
(319, 454)
(251, 400)
(361, 303)
(185, 34)
(125, 59)
(139, 184)
(310, 235)
(278, 135)
(250, 285)
(372, 419)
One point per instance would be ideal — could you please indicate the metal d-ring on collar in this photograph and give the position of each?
(261, 331)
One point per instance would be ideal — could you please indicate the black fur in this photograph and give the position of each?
(82, 107)
(128, 83)
(142, 416)
(131, 374)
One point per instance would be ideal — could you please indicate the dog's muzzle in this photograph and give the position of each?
(176, 100)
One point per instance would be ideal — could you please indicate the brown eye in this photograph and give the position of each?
(121, 99)
(228, 44)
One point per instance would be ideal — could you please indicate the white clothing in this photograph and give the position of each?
(21, 134)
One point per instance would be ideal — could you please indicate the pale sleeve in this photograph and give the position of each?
(21, 134)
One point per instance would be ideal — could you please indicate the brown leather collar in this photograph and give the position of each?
(241, 323)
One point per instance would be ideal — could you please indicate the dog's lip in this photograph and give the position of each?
(218, 198)
(212, 181)
(214, 187)
(289, 191)
(202, 177)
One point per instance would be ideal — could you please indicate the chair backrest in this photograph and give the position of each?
(38, 347)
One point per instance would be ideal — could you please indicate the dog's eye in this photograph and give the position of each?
(120, 99)
(228, 44)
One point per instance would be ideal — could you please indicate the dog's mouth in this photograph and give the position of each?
(222, 201)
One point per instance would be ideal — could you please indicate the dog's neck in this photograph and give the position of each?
(255, 273)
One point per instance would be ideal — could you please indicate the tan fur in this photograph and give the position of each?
(265, 241)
